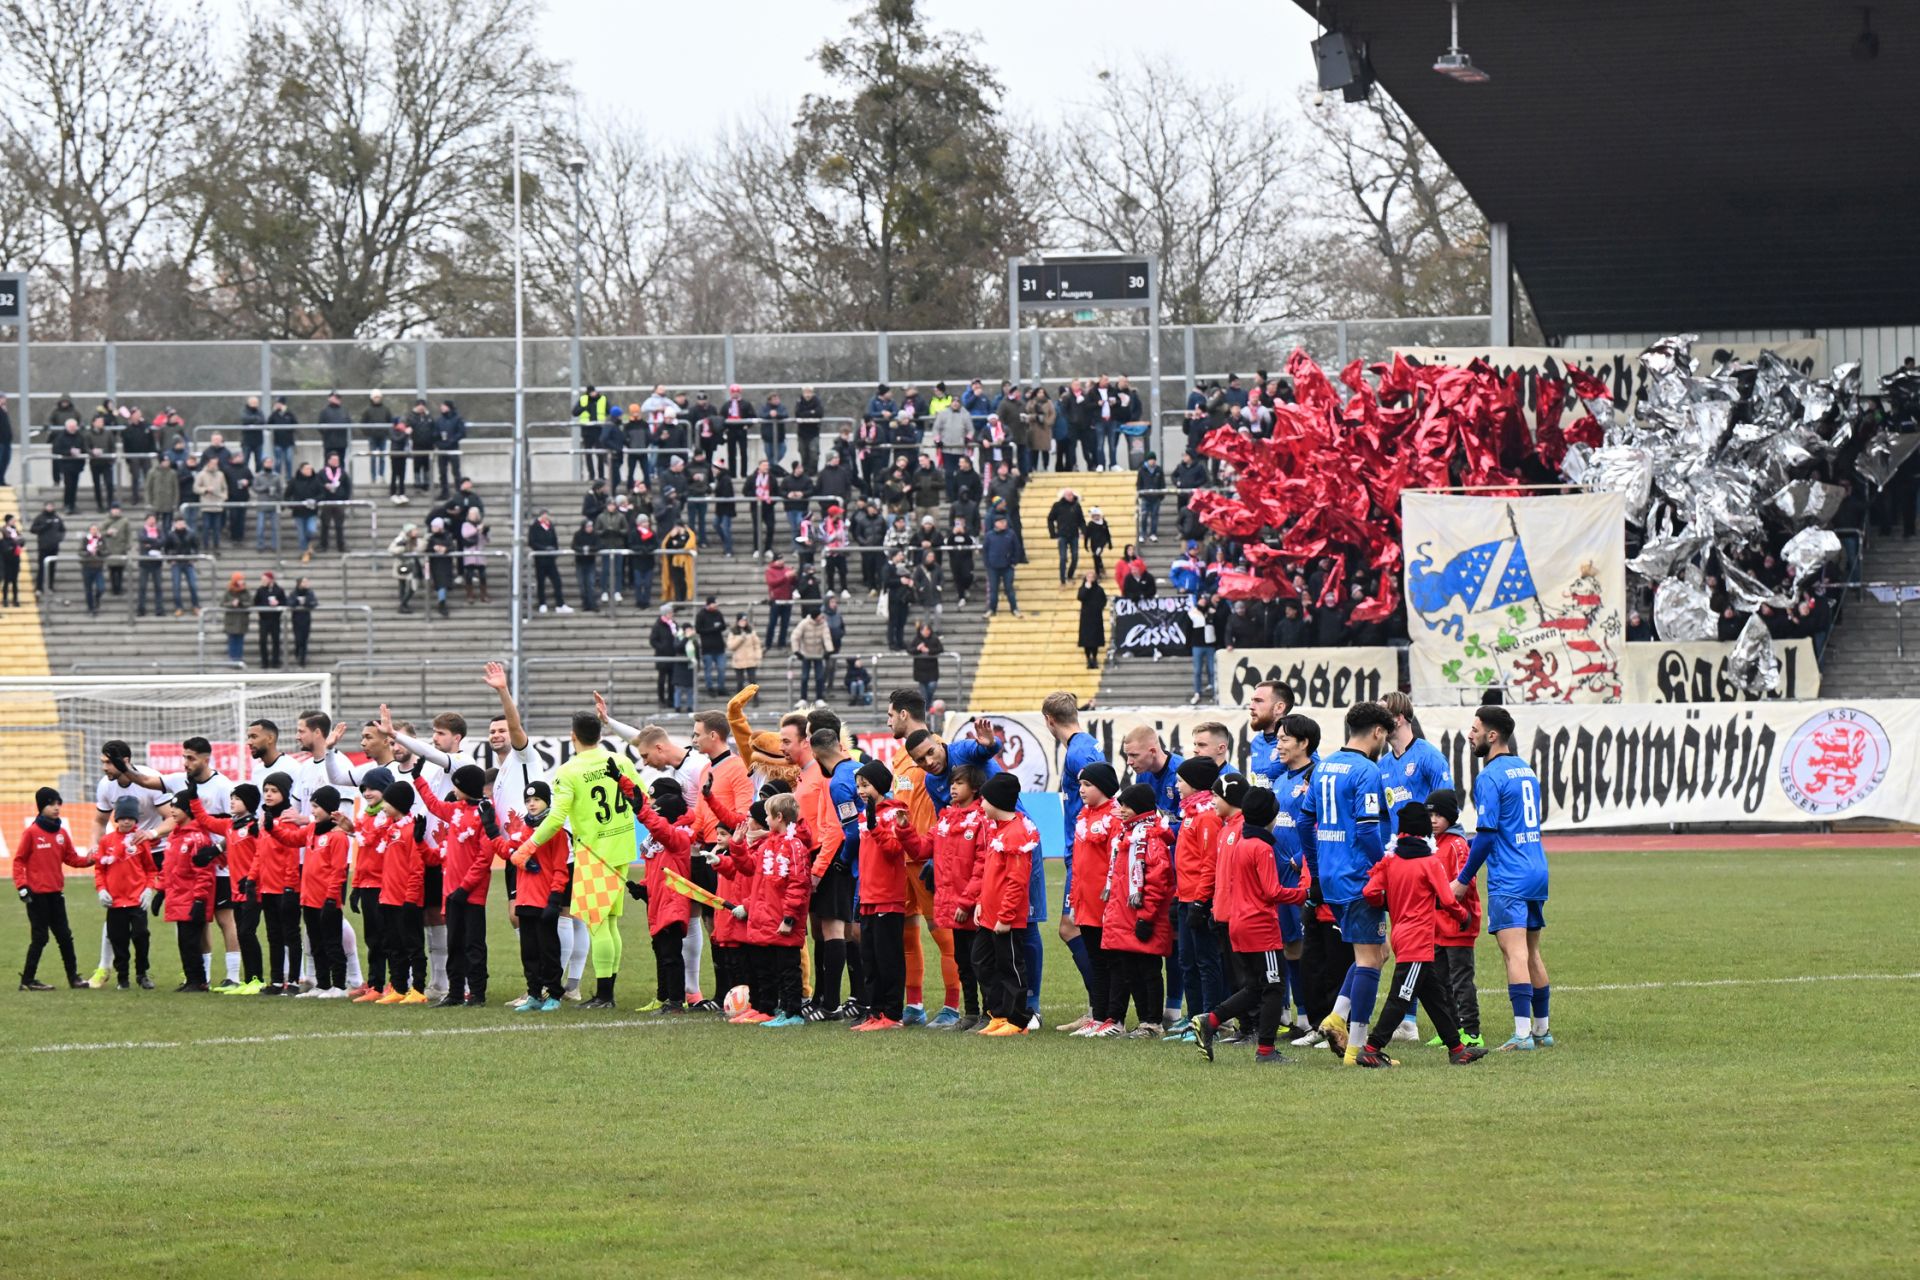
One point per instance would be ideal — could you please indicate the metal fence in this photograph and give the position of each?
(207, 382)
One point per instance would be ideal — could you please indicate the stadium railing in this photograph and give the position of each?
(200, 629)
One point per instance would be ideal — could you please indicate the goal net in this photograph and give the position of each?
(51, 729)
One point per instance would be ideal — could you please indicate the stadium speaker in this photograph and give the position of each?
(1339, 59)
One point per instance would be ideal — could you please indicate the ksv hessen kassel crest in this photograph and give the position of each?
(1834, 760)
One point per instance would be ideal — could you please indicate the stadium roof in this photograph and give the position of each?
(1713, 163)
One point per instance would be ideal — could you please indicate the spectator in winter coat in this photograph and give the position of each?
(1093, 619)
(269, 491)
(1148, 481)
(807, 413)
(163, 490)
(336, 428)
(744, 652)
(812, 644)
(1002, 553)
(450, 429)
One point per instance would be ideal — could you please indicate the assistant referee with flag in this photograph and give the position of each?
(593, 795)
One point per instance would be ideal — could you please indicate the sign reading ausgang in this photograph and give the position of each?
(1054, 285)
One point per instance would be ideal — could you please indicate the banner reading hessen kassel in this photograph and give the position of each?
(1526, 593)
(1624, 765)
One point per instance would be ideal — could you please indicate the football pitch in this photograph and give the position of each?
(1733, 1093)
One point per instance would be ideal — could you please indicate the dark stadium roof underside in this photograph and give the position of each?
(1711, 163)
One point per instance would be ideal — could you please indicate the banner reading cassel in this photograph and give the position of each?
(1525, 593)
(1605, 767)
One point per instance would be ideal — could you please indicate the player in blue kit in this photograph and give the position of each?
(1270, 702)
(1508, 809)
(1412, 769)
(1350, 804)
(1061, 711)
(1294, 843)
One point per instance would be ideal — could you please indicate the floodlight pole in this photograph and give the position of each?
(516, 603)
(1501, 285)
(1013, 321)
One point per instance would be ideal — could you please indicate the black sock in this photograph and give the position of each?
(833, 958)
(856, 974)
(603, 989)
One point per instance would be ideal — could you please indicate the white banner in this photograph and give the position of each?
(1319, 677)
(1525, 593)
(1623, 765)
(1618, 367)
(1696, 671)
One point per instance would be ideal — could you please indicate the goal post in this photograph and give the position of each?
(52, 728)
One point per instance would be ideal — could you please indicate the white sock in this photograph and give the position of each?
(233, 966)
(1522, 1028)
(437, 954)
(1356, 1035)
(106, 949)
(690, 949)
(306, 965)
(582, 947)
(1540, 1025)
(350, 944)
(1342, 1006)
(566, 943)
(1410, 1020)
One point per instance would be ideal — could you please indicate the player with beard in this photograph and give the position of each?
(907, 712)
(1508, 808)
(1413, 769)
(433, 766)
(1269, 704)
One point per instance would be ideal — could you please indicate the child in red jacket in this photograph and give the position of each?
(770, 862)
(1250, 874)
(539, 899)
(716, 817)
(39, 858)
(278, 841)
(1136, 930)
(466, 861)
(403, 888)
(323, 885)
(127, 880)
(1412, 885)
(370, 839)
(239, 854)
(187, 882)
(999, 886)
(1092, 850)
(1452, 941)
(956, 844)
(887, 844)
(662, 809)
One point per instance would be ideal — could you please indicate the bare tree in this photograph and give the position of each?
(108, 101)
(1405, 239)
(375, 179)
(637, 219)
(1160, 164)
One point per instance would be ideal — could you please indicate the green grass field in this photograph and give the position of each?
(1766, 1125)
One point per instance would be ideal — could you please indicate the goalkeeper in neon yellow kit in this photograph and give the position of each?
(594, 794)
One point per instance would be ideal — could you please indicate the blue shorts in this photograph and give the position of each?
(1516, 913)
(1066, 892)
(1290, 930)
(1361, 923)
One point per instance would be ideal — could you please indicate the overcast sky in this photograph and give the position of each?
(716, 60)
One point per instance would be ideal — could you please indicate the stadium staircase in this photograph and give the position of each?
(1863, 658)
(30, 747)
(567, 655)
(1026, 658)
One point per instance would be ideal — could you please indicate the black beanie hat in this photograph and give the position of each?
(46, 796)
(1446, 803)
(281, 782)
(246, 795)
(1002, 791)
(471, 780)
(775, 787)
(398, 797)
(327, 798)
(1415, 820)
(1139, 797)
(1199, 772)
(758, 812)
(378, 778)
(1259, 807)
(127, 807)
(1101, 775)
(667, 797)
(540, 790)
(1232, 788)
(878, 776)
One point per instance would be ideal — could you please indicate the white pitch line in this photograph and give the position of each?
(396, 1033)
(1727, 982)
(512, 1028)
